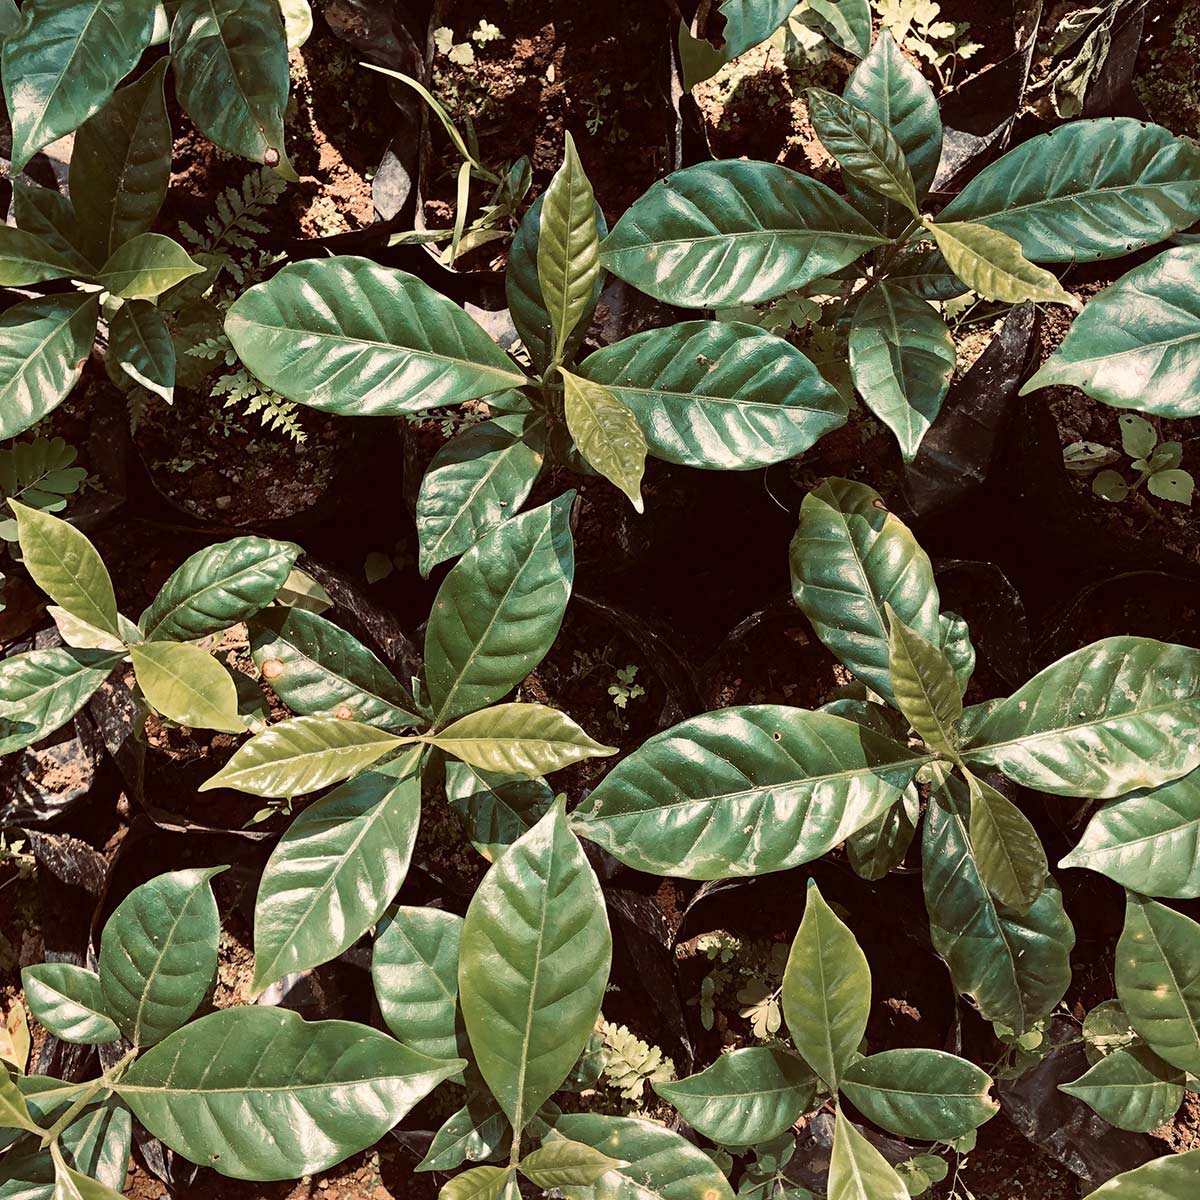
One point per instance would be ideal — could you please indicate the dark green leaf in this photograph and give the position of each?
(141, 350)
(67, 1000)
(48, 213)
(881, 844)
(749, 22)
(496, 809)
(1130, 1088)
(477, 1132)
(26, 258)
(1172, 1177)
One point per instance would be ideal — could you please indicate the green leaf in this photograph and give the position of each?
(231, 74)
(662, 1164)
(496, 809)
(141, 349)
(776, 230)
(606, 433)
(1151, 364)
(1172, 1177)
(479, 1183)
(882, 843)
(415, 970)
(44, 345)
(864, 146)
(25, 258)
(991, 263)
(923, 684)
(478, 1131)
(48, 213)
(826, 990)
(121, 166)
(849, 558)
(956, 646)
(146, 266)
(857, 1171)
(217, 587)
(71, 1185)
(14, 1112)
(1131, 1088)
(745, 1097)
(302, 755)
(42, 690)
(1109, 718)
(66, 566)
(187, 685)
(568, 251)
(499, 609)
(1147, 841)
(346, 335)
(476, 481)
(318, 669)
(1087, 190)
(533, 966)
(901, 359)
(220, 1090)
(743, 791)
(1008, 852)
(1014, 967)
(917, 1093)
(335, 870)
(523, 291)
(718, 394)
(518, 739)
(1157, 980)
(67, 1000)
(63, 62)
(750, 22)
(564, 1163)
(158, 954)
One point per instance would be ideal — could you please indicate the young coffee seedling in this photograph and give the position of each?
(342, 861)
(220, 586)
(1157, 466)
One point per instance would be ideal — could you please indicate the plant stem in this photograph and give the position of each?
(97, 1085)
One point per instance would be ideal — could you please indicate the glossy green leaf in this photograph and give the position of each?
(146, 266)
(318, 669)
(749, 22)
(956, 646)
(49, 214)
(158, 954)
(141, 349)
(917, 1093)
(746, 1097)
(606, 433)
(231, 74)
(1089, 189)
(826, 990)
(743, 791)
(1158, 980)
(415, 971)
(1008, 852)
(1148, 841)
(477, 480)
(863, 145)
(79, 634)
(66, 566)
(302, 755)
(1014, 967)
(338, 866)
(44, 345)
(499, 609)
(734, 233)
(1130, 1088)
(518, 739)
(991, 263)
(718, 394)
(924, 271)
(14, 1112)
(63, 63)
(882, 843)
(901, 359)
(67, 1000)
(25, 258)
(219, 586)
(849, 558)
(847, 23)
(121, 165)
(533, 966)
(346, 335)
(523, 291)
(568, 252)
(476, 1132)
(1172, 1177)
(260, 1093)
(563, 1163)
(1137, 344)
(889, 87)
(496, 809)
(187, 685)
(1111, 717)
(481, 1183)
(857, 1171)
(42, 690)
(923, 684)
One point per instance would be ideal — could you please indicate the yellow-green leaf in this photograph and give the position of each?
(187, 685)
(1008, 852)
(924, 684)
(146, 266)
(606, 433)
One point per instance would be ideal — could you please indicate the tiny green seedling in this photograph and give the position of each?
(1157, 465)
